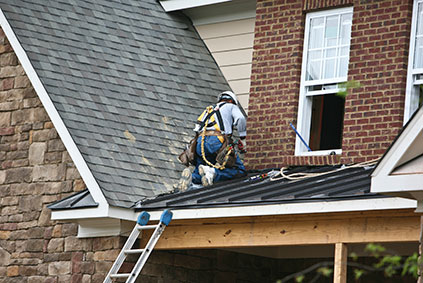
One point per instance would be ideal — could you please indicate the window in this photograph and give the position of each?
(324, 69)
(414, 91)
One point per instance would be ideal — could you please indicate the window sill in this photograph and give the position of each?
(320, 152)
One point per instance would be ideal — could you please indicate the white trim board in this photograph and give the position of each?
(291, 208)
(175, 5)
(405, 148)
(57, 121)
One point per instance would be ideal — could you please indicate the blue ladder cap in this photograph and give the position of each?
(166, 217)
(143, 218)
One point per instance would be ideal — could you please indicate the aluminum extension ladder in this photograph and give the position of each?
(141, 224)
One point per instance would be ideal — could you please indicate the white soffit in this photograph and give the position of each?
(55, 117)
(222, 12)
(175, 5)
(402, 157)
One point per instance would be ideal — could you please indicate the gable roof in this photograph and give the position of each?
(394, 173)
(127, 80)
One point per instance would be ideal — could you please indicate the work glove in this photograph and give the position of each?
(242, 145)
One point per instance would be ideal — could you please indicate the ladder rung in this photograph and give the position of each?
(134, 251)
(146, 227)
(120, 275)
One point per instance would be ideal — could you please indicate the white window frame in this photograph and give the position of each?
(412, 92)
(305, 104)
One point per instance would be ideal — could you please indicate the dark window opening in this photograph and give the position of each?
(327, 119)
(420, 95)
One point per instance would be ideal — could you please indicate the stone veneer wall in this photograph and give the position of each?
(378, 61)
(36, 170)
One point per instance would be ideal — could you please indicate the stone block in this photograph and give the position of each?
(8, 59)
(45, 217)
(9, 71)
(31, 102)
(55, 245)
(74, 244)
(8, 131)
(18, 175)
(103, 243)
(87, 267)
(69, 229)
(22, 82)
(7, 83)
(55, 145)
(76, 278)
(16, 218)
(72, 173)
(4, 118)
(34, 245)
(30, 203)
(4, 235)
(53, 157)
(59, 268)
(25, 270)
(36, 279)
(36, 153)
(106, 255)
(57, 231)
(12, 271)
(103, 266)
(49, 172)
(86, 278)
(4, 257)
(64, 279)
(2, 176)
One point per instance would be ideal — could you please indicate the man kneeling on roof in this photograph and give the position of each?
(215, 158)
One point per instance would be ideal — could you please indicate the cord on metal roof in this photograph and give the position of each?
(300, 176)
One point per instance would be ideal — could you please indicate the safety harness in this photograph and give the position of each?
(204, 122)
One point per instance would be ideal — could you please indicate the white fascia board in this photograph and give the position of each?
(291, 209)
(175, 5)
(51, 110)
(397, 183)
(95, 213)
(391, 159)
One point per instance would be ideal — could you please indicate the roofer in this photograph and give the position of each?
(215, 158)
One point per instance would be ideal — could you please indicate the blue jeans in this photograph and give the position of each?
(211, 145)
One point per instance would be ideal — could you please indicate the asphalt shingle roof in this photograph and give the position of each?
(127, 79)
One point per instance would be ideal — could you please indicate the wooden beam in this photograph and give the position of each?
(341, 256)
(290, 230)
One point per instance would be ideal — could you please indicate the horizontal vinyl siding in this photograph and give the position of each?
(231, 44)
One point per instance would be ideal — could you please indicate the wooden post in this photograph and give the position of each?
(340, 272)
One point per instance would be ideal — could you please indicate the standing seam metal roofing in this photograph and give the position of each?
(332, 183)
(108, 63)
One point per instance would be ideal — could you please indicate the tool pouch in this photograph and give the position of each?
(188, 155)
(222, 154)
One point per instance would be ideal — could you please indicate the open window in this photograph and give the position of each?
(414, 92)
(324, 71)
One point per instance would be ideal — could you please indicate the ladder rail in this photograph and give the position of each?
(143, 219)
(147, 251)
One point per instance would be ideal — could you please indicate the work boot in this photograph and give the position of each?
(185, 180)
(207, 175)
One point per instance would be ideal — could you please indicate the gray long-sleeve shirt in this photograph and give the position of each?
(231, 116)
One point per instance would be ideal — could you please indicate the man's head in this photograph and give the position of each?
(227, 96)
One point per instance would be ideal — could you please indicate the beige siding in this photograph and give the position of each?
(231, 44)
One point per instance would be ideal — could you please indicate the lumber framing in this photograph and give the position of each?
(340, 264)
(360, 227)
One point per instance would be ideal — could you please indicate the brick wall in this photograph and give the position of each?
(378, 61)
